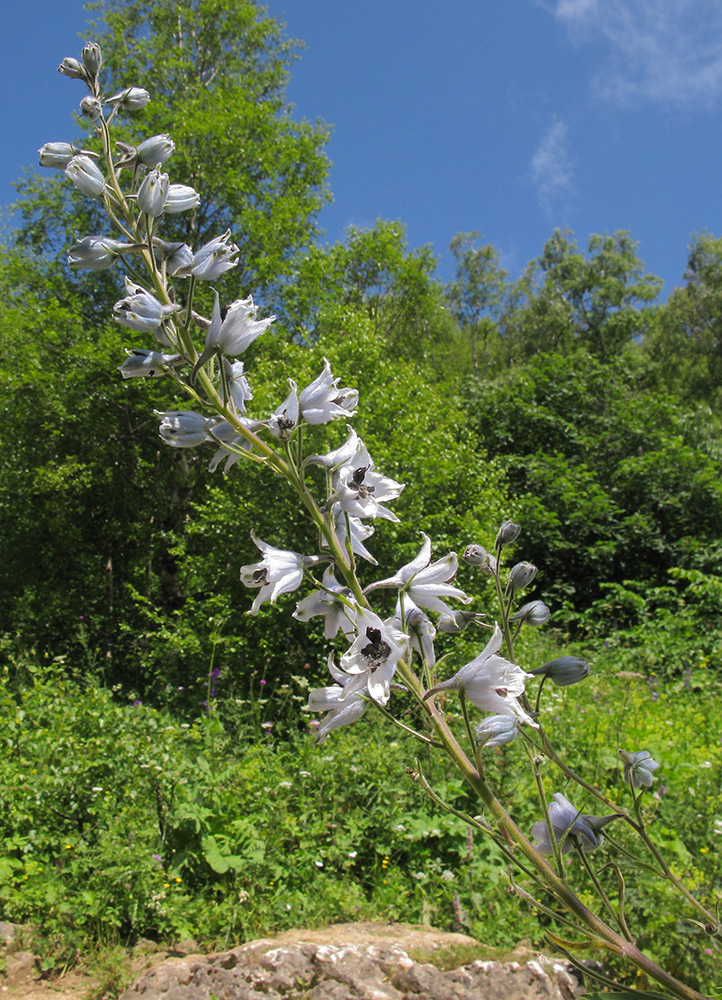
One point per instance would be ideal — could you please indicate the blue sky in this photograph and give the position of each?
(510, 118)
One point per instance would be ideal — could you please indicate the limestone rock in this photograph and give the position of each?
(342, 963)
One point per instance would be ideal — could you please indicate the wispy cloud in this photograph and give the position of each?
(551, 166)
(666, 50)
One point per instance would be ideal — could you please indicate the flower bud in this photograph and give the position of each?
(139, 309)
(146, 364)
(72, 68)
(563, 671)
(475, 555)
(92, 58)
(155, 150)
(183, 428)
(180, 261)
(507, 533)
(56, 154)
(85, 175)
(638, 768)
(453, 624)
(496, 730)
(153, 193)
(91, 108)
(534, 613)
(521, 576)
(95, 253)
(130, 99)
(181, 198)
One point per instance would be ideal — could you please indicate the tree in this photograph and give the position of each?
(376, 273)
(216, 71)
(477, 292)
(565, 299)
(683, 352)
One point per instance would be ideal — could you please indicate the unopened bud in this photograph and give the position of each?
(457, 622)
(497, 730)
(521, 576)
(130, 99)
(181, 198)
(92, 58)
(85, 175)
(563, 671)
(56, 154)
(153, 193)
(155, 150)
(91, 108)
(72, 68)
(534, 613)
(475, 555)
(506, 534)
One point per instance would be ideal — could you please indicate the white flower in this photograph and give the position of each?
(322, 400)
(374, 654)
(285, 418)
(214, 258)
(359, 488)
(279, 572)
(421, 632)
(344, 702)
(95, 253)
(228, 434)
(490, 682)
(238, 329)
(346, 525)
(340, 615)
(237, 383)
(153, 192)
(140, 310)
(341, 456)
(427, 584)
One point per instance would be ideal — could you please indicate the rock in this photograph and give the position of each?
(22, 966)
(351, 962)
(8, 932)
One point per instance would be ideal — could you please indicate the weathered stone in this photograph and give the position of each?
(22, 966)
(344, 966)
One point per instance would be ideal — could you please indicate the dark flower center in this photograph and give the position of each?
(377, 651)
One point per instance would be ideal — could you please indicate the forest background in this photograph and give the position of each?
(155, 735)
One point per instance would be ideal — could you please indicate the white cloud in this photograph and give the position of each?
(667, 50)
(551, 167)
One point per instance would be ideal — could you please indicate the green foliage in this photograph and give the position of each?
(683, 351)
(119, 822)
(611, 482)
(475, 296)
(566, 299)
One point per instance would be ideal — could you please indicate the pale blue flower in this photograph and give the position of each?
(572, 829)
(638, 768)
